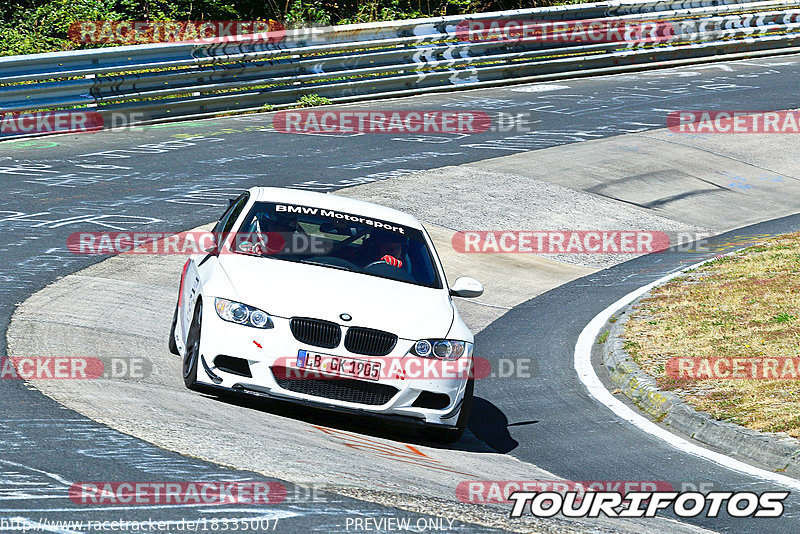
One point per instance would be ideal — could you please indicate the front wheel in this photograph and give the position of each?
(192, 352)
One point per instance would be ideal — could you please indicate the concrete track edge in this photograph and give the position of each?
(588, 376)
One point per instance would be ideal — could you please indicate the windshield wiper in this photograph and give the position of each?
(322, 264)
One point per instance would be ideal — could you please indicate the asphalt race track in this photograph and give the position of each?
(581, 438)
(176, 176)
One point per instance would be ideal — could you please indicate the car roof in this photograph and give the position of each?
(333, 202)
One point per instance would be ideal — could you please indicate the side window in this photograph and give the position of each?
(223, 218)
(231, 214)
(223, 227)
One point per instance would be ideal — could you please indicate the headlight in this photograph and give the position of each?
(423, 348)
(236, 312)
(441, 349)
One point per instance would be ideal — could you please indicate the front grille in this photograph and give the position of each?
(356, 391)
(316, 332)
(369, 342)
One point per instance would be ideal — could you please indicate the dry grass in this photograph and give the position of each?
(745, 306)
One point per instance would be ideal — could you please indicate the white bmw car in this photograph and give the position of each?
(328, 302)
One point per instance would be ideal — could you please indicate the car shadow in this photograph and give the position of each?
(487, 428)
(490, 425)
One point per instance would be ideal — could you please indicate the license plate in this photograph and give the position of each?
(338, 365)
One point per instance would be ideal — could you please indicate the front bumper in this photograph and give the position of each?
(265, 349)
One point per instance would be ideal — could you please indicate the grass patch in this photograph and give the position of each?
(603, 337)
(782, 318)
(310, 101)
(743, 307)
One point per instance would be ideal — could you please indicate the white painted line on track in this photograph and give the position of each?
(54, 476)
(583, 365)
(538, 88)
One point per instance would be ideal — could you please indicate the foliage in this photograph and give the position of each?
(32, 26)
(312, 100)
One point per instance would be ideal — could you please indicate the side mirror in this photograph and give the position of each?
(213, 249)
(466, 287)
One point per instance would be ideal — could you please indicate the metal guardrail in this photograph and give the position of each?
(355, 62)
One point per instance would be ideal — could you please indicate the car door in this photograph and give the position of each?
(206, 265)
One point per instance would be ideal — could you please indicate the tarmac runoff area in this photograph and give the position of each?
(655, 181)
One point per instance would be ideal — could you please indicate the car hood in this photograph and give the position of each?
(287, 289)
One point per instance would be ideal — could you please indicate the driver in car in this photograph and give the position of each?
(390, 253)
(388, 248)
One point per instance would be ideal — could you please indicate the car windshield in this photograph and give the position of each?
(337, 240)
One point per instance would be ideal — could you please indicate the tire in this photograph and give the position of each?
(450, 435)
(191, 356)
(173, 347)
